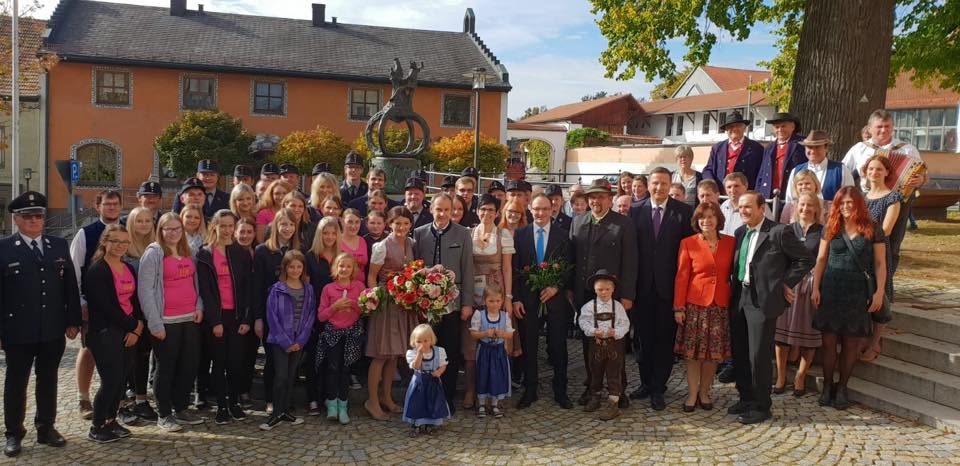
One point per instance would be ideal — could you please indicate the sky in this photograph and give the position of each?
(551, 48)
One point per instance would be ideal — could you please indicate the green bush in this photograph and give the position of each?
(586, 137)
(204, 135)
(538, 152)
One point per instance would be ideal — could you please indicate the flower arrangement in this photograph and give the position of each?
(545, 275)
(371, 301)
(426, 291)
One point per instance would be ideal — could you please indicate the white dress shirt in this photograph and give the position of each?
(820, 170)
(28, 240)
(860, 152)
(546, 236)
(752, 246)
(731, 217)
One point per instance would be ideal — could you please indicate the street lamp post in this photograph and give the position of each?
(479, 82)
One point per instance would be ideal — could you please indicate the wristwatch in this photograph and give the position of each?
(509, 296)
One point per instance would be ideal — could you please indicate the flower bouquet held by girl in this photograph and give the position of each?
(426, 291)
(371, 301)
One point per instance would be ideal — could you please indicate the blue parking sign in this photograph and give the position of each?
(74, 171)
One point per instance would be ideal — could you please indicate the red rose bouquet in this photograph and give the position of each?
(545, 275)
(426, 291)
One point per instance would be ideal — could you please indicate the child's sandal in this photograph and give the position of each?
(497, 413)
(482, 412)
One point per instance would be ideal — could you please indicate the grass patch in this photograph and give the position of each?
(931, 254)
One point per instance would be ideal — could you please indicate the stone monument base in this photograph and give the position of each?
(397, 169)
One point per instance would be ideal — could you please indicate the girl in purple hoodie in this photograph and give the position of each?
(291, 312)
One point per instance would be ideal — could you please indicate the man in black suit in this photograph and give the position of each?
(542, 241)
(555, 193)
(768, 260)
(40, 303)
(214, 199)
(603, 239)
(376, 179)
(353, 185)
(413, 194)
(661, 223)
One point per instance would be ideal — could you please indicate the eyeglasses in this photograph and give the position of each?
(487, 209)
(109, 204)
(31, 216)
(171, 229)
(116, 241)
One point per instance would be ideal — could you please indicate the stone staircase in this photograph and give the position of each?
(918, 375)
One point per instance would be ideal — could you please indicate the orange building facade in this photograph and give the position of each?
(107, 110)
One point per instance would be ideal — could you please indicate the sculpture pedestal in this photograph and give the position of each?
(397, 170)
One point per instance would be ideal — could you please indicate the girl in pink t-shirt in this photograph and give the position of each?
(352, 243)
(270, 203)
(339, 343)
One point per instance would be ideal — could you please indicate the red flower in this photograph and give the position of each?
(543, 265)
(526, 268)
(424, 303)
(401, 280)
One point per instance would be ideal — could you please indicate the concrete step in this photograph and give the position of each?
(937, 324)
(927, 352)
(895, 402)
(919, 381)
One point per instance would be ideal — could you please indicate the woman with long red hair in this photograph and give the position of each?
(851, 261)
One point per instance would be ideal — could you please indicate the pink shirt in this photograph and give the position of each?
(265, 216)
(179, 292)
(224, 280)
(126, 287)
(360, 254)
(330, 294)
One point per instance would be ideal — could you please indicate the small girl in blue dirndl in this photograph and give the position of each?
(425, 404)
(492, 330)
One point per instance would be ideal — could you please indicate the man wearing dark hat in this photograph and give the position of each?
(40, 303)
(466, 187)
(414, 192)
(603, 239)
(497, 190)
(780, 156)
(737, 154)
(376, 179)
(243, 174)
(353, 185)
(191, 192)
(516, 191)
(291, 174)
(449, 185)
(149, 196)
(555, 194)
(539, 241)
(320, 167)
(84, 244)
(269, 172)
(214, 198)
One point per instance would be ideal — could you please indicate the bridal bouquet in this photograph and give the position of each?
(426, 291)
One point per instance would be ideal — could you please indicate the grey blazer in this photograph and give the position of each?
(456, 254)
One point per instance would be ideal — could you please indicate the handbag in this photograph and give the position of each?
(883, 315)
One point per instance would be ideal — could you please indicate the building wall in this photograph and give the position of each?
(155, 103)
(556, 139)
(31, 154)
(611, 117)
(698, 83)
(693, 132)
(593, 161)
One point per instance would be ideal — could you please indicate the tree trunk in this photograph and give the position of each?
(843, 61)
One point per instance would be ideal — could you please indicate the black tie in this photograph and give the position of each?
(36, 249)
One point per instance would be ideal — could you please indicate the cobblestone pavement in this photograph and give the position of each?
(801, 432)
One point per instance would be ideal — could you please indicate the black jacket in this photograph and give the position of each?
(241, 272)
(779, 259)
(39, 298)
(266, 272)
(221, 200)
(613, 246)
(101, 293)
(658, 255)
(558, 247)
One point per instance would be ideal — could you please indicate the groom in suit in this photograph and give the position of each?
(662, 222)
(769, 259)
(446, 243)
(542, 241)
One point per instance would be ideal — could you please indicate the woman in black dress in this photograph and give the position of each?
(841, 291)
(884, 205)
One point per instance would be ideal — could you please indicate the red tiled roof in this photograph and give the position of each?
(565, 112)
(719, 100)
(31, 31)
(535, 127)
(904, 94)
(729, 79)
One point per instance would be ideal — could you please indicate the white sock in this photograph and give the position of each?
(83, 396)
(614, 398)
(493, 402)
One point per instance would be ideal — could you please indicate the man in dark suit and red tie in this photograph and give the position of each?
(661, 223)
(737, 154)
(780, 156)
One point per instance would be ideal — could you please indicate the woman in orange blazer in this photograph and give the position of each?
(700, 302)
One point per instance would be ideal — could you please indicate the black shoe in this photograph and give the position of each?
(223, 416)
(245, 401)
(273, 421)
(12, 447)
(640, 393)
(526, 401)
(236, 412)
(740, 407)
(726, 375)
(779, 390)
(145, 411)
(102, 434)
(657, 402)
(753, 417)
(689, 408)
(840, 400)
(202, 405)
(51, 437)
(585, 398)
(826, 396)
(127, 416)
(117, 429)
(623, 402)
(564, 402)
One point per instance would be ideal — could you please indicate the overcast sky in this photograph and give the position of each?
(550, 47)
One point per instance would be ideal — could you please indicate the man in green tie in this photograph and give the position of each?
(769, 259)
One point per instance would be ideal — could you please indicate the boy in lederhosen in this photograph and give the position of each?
(605, 323)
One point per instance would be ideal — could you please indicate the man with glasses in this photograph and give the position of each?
(214, 198)
(39, 304)
(108, 205)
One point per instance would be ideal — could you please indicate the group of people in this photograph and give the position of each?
(658, 265)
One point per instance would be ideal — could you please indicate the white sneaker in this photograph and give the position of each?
(169, 423)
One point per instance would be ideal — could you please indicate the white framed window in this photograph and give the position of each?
(112, 87)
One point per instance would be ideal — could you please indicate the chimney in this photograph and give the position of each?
(334, 20)
(178, 7)
(200, 8)
(319, 15)
(469, 21)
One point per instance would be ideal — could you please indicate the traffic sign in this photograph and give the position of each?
(74, 171)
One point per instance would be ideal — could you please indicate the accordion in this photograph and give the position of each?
(904, 168)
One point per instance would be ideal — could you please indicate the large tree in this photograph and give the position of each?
(835, 56)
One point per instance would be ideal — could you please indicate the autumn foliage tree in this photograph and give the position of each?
(204, 135)
(307, 148)
(454, 153)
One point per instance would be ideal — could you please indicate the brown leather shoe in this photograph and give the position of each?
(592, 405)
(611, 411)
